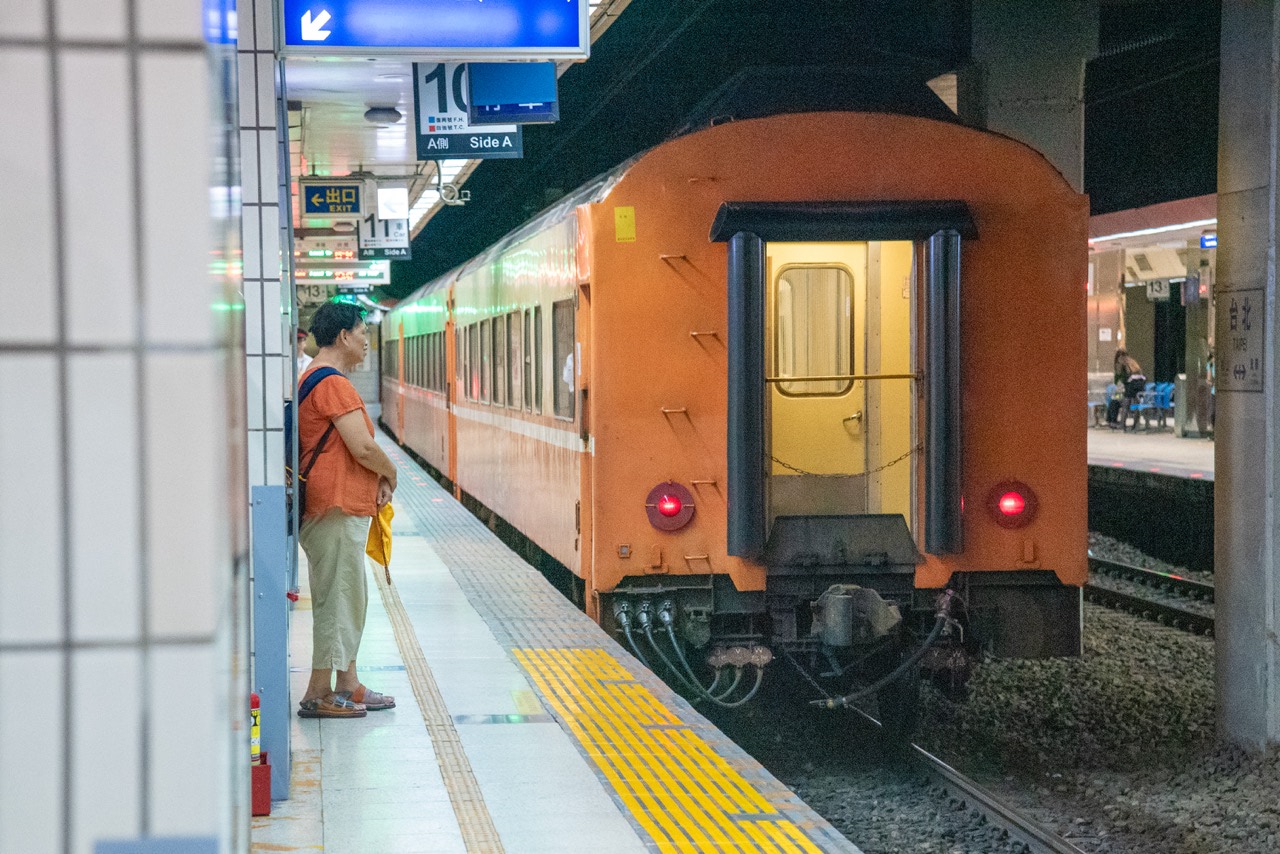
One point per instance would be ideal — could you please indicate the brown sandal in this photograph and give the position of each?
(332, 706)
(372, 700)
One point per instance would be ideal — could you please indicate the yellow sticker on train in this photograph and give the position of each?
(624, 224)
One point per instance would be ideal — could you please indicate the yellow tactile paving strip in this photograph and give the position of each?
(683, 793)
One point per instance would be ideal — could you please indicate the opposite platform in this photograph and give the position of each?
(520, 725)
(1157, 452)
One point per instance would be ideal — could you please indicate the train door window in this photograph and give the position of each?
(528, 359)
(515, 360)
(486, 360)
(499, 359)
(562, 357)
(537, 359)
(813, 329)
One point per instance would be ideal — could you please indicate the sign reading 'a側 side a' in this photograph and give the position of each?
(444, 133)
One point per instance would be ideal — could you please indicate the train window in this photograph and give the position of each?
(500, 375)
(473, 362)
(459, 364)
(813, 329)
(515, 360)
(413, 361)
(528, 359)
(442, 362)
(537, 358)
(562, 357)
(486, 361)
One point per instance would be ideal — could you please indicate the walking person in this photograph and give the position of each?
(350, 481)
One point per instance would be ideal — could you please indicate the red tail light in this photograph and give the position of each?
(669, 506)
(1012, 504)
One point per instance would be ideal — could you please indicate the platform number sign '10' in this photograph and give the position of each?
(443, 130)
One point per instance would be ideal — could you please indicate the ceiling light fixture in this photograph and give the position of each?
(382, 115)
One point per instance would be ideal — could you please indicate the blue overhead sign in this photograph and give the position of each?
(454, 29)
(330, 199)
(506, 92)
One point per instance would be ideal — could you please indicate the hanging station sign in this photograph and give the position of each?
(444, 131)
(493, 29)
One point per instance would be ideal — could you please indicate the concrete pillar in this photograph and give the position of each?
(1247, 455)
(1027, 81)
(122, 534)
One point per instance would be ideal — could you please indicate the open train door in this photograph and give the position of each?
(823, 378)
(840, 333)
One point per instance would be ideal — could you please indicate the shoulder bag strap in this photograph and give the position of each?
(303, 391)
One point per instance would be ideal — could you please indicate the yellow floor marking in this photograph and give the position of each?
(665, 843)
(758, 833)
(790, 829)
(683, 793)
(644, 777)
(693, 800)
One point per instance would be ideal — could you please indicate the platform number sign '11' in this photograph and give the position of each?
(439, 97)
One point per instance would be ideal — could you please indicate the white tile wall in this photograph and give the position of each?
(101, 299)
(106, 765)
(32, 754)
(105, 497)
(251, 223)
(30, 458)
(21, 19)
(253, 331)
(103, 20)
(26, 160)
(249, 158)
(184, 550)
(184, 796)
(179, 289)
(148, 503)
(165, 19)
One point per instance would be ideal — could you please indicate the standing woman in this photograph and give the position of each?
(350, 481)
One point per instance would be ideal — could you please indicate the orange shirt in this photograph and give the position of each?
(336, 479)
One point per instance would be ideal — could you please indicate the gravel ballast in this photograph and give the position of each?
(1115, 750)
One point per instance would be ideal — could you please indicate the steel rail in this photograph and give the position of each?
(1035, 836)
(1153, 578)
(1158, 611)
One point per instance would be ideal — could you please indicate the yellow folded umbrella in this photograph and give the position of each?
(379, 545)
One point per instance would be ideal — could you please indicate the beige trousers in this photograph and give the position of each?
(334, 544)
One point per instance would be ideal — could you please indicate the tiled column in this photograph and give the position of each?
(268, 354)
(122, 540)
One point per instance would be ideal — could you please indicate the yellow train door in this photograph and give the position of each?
(839, 320)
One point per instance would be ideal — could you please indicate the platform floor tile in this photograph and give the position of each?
(676, 777)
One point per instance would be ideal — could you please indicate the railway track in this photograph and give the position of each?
(1037, 838)
(1186, 587)
(1163, 612)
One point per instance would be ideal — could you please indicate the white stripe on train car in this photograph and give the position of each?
(567, 439)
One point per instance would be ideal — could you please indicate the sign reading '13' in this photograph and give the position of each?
(439, 98)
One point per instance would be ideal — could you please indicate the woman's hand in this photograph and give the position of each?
(384, 492)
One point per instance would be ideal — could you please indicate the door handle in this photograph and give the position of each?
(857, 416)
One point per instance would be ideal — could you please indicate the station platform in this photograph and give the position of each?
(1154, 451)
(520, 726)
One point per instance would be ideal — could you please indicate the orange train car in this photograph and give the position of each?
(805, 384)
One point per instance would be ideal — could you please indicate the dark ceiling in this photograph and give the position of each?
(667, 65)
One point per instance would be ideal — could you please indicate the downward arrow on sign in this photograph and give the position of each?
(311, 29)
